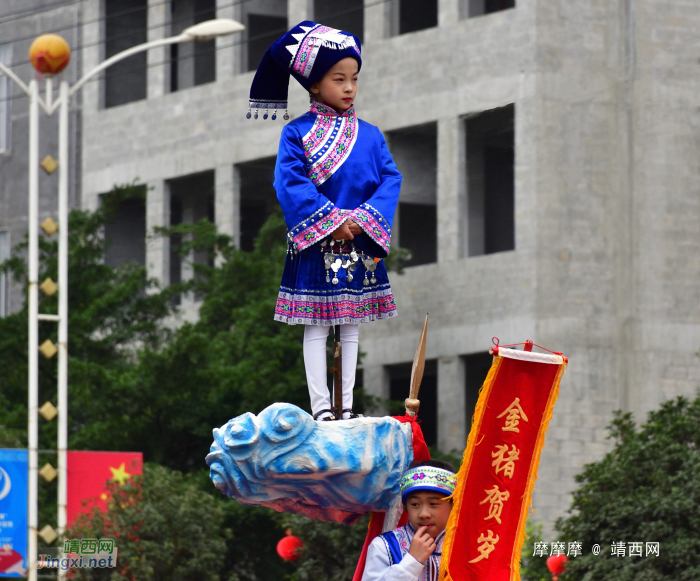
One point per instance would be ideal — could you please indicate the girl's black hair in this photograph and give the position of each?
(436, 464)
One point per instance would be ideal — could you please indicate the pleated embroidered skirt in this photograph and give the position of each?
(306, 297)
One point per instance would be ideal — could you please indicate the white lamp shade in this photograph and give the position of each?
(211, 29)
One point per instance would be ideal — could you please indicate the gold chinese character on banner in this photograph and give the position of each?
(487, 546)
(501, 462)
(496, 498)
(515, 414)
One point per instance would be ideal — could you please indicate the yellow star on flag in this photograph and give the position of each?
(120, 475)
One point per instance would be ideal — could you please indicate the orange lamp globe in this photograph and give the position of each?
(49, 54)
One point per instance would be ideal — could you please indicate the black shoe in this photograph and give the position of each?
(353, 415)
(329, 418)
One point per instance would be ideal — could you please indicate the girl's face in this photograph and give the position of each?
(338, 87)
(428, 509)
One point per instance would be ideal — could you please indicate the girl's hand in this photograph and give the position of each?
(344, 232)
(422, 545)
(354, 227)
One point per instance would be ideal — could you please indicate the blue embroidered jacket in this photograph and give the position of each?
(333, 167)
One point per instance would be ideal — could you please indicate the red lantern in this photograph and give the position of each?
(290, 547)
(557, 564)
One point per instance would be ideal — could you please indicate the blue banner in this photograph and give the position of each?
(14, 468)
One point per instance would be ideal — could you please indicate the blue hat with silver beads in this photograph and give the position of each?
(306, 53)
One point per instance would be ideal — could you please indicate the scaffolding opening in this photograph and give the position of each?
(476, 368)
(258, 198)
(125, 233)
(265, 22)
(399, 387)
(348, 15)
(414, 15)
(126, 25)
(191, 199)
(415, 224)
(491, 181)
(479, 7)
(191, 63)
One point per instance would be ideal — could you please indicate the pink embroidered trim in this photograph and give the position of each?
(372, 222)
(298, 309)
(404, 536)
(308, 51)
(322, 109)
(317, 228)
(329, 142)
(303, 60)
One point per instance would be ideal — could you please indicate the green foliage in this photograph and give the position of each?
(646, 489)
(165, 528)
(140, 379)
(110, 311)
(330, 550)
(533, 568)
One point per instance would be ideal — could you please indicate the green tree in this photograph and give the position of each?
(164, 527)
(140, 380)
(330, 550)
(532, 567)
(647, 489)
(111, 312)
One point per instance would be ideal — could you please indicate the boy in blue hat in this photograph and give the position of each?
(338, 187)
(412, 552)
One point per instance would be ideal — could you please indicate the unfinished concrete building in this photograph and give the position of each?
(549, 152)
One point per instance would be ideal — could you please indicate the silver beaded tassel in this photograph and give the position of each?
(266, 112)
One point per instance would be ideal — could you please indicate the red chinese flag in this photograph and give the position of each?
(90, 472)
(486, 529)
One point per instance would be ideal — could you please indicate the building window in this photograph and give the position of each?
(6, 59)
(126, 25)
(476, 368)
(413, 15)
(191, 200)
(192, 63)
(479, 7)
(4, 255)
(415, 224)
(126, 232)
(399, 388)
(491, 181)
(348, 15)
(265, 23)
(258, 198)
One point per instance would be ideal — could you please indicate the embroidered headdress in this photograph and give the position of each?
(427, 478)
(306, 53)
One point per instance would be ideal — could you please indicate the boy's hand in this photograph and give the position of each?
(422, 545)
(345, 231)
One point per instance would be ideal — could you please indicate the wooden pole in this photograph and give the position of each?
(412, 403)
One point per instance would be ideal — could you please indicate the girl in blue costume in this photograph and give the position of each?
(338, 187)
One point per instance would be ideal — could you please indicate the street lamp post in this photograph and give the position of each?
(203, 31)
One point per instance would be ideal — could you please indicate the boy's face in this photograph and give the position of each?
(428, 509)
(338, 87)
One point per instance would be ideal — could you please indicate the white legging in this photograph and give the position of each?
(315, 363)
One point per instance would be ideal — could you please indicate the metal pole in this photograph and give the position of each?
(62, 309)
(33, 351)
(337, 374)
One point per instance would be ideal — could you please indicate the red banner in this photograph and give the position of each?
(494, 486)
(89, 473)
